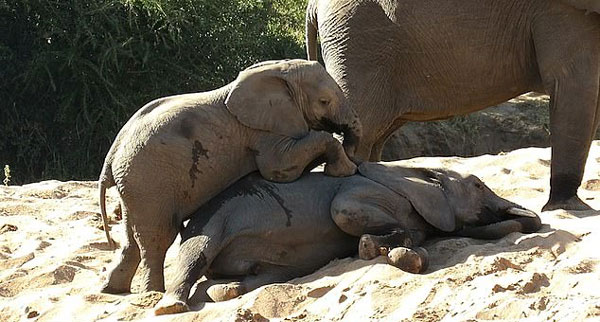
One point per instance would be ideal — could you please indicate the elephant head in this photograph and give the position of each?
(452, 202)
(289, 97)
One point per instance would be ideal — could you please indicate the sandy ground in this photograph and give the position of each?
(53, 258)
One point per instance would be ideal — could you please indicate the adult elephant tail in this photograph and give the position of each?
(589, 5)
(105, 181)
(311, 30)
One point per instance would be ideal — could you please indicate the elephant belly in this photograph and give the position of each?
(435, 59)
(250, 255)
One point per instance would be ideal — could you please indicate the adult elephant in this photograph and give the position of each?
(421, 60)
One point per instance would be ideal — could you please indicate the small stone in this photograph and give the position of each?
(32, 314)
(8, 227)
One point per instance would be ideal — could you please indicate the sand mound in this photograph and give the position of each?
(53, 257)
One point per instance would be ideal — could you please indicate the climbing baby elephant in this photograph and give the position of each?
(270, 232)
(178, 152)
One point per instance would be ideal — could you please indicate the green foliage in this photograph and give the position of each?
(73, 71)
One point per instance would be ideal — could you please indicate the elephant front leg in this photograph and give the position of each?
(370, 212)
(283, 159)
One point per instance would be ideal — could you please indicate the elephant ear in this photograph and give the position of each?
(420, 186)
(261, 99)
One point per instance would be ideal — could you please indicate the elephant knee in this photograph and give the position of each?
(349, 220)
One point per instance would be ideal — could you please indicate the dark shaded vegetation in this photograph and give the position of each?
(73, 71)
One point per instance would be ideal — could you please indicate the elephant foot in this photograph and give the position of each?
(341, 168)
(224, 292)
(170, 305)
(371, 246)
(108, 289)
(409, 260)
(573, 203)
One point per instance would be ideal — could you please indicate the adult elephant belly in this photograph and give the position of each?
(433, 60)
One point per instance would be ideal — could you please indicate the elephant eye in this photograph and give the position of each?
(478, 185)
(324, 101)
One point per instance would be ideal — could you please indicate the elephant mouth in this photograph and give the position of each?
(333, 127)
(521, 212)
(327, 125)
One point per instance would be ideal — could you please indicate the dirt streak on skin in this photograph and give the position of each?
(197, 151)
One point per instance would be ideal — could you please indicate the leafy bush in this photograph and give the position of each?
(73, 71)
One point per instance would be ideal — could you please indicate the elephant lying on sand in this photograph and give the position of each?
(178, 152)
(271, 232)
(420, 60)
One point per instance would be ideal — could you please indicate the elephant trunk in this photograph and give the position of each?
(311, 30)
(348, 124)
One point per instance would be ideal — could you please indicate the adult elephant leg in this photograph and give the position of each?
(570, 71)
(571, 139)
(119, 278)
(377, 149)
(574, 114)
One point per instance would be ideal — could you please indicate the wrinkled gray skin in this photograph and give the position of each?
(416, 60)
(178, 152)
(270, 232)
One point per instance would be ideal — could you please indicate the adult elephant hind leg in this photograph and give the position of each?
(570, 71)
(120, 277)
(377, 149)
(574, 116)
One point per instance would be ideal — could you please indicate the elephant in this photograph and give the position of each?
(412, 60)
(177, 152)
(270, 232)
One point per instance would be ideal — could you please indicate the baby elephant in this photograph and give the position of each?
(270, 232)
(178, 152)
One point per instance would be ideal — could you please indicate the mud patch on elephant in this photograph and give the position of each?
(269, 189)
(197, 151)
(254, 186)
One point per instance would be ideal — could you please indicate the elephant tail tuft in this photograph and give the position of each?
(311, 30)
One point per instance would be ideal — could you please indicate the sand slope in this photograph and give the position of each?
(53, 257)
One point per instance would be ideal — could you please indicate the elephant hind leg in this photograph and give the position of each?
(574, 116)
(196, 254)
(570, 72)
(268, 275)
(154, 231)
(153, 249)
(191, 264)
(120, 277)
